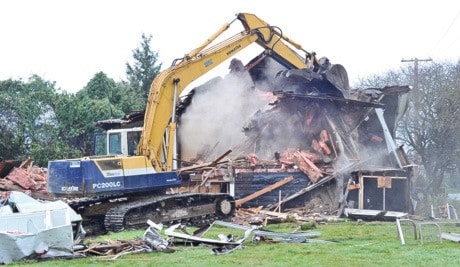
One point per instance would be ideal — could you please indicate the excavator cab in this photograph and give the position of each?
(117, 142)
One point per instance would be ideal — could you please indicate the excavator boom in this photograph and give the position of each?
(159, 122)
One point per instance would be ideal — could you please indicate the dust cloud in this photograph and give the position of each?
(213, 122)
(234, 113)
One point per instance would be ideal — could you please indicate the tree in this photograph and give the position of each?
(37, 121)
(10, 146)
(77, 114)
(141, 74)
(431, 127)
(28, 120)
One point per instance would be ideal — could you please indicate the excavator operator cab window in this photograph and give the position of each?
(133, 139)
(100, 144)
(115, 144)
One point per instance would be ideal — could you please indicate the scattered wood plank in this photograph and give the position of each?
(353, 186)
(206, 164)
(301, 192)
(267, 189)
(284, 216)
(25, 163)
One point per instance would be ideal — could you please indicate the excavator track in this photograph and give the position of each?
(192, 209)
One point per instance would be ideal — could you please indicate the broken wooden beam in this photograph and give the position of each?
(206, 164)
(267, 189)
(214, 163)
(301, 192)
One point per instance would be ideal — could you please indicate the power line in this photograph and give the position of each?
(447, 31)
(456, 39)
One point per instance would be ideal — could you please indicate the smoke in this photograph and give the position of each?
(363, 150)
(214, 121)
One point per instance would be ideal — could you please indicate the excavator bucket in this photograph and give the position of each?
(337, 76)
(330, 82)
(321, 79)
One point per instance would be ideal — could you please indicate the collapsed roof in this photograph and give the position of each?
(279, 110)
(276, 120)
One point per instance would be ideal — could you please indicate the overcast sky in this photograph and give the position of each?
(70, 41)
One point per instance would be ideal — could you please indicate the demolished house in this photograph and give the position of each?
(337, 143)
(247, 132)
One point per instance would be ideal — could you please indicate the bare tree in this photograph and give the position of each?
(431, 128)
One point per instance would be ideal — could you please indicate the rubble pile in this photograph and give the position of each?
(313, 128)
(23, 177)
(259, 216)
(115, 248)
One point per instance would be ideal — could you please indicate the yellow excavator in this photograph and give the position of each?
(124, 189)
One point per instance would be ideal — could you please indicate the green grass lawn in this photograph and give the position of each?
(353, 244)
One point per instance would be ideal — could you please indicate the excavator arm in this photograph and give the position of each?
(157, 142)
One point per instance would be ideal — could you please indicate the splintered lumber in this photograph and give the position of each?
(284, 216)
(25, 163)
(313, 186)
(214, 163)
(301, 192)
(307, 166)
(206, 164)
(267, 189)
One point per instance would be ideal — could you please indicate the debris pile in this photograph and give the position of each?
(222, 237)
(118, 248)
(262, 217)
(315, 129)
(235, 235)
(23, 177)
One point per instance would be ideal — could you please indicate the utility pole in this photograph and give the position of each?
(416, 61)
(416, 93)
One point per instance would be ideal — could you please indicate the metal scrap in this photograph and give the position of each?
(223, 245)
(152, 241)
(226, 243)
(33, 229)
(260, 234)
(451, 236)
(368, 214)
